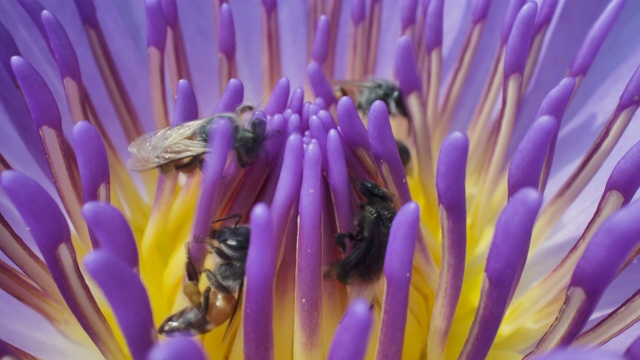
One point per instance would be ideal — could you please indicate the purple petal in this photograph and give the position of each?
(351, 338)
(633, 351)
(8, 48)
(308, 308)
(351, 127)
(186, 105)
(596, 36)
(93, 163)
(320, 49)
(406, 67)
(505, 261)
(319, 83)
(128, 299)
(398, 262)
(433, 25)
(49, 229)
(338, 177)
(156, 25)
(62, 48)
(297, 99)
(227, 45)
(527, 163)
(259, 287)
(231, 97)
(279, 96)
(112, 232)
(42, 105)
(177, 348)
(579, 354)
(624, 178)
(517, 48)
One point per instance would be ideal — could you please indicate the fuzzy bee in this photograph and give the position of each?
(364, 261)
(219, 302)
(181, 147)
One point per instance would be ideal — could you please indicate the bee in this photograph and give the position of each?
(370, 91)
(219, 302)
(367, 247)
(182, 147)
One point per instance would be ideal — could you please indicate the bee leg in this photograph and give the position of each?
(213, 280)
(341, 242)
(205, 300)
(190, 288)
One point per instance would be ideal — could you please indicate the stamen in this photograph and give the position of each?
(545, 14)
(24, 258)
(373, 30)
(128, 299)
(351, 338)
(505, 261)
(592, 160)
(297, 99)
(186, 105)
(611, 245)
(527, 163)
(49, 229)
(176, 348)
(259, 287)
(231, 97)
(633, 351)
(432, 72)
(175, 54)
(418, 35)
(9, 351)
(356, 61)
(46, 116)
(354, 135)
(112, 78)
(33, 8)
(156, 42)
(294, 125)
(271, 70)
(594, 40)
(305, 114)
(327, 120)
(450, 185)
(408, 14)
(285, 197)
(397, 272)
(320, 49)
(319, 133)
(227, 47)
(319, 83)
(112, 232)
(93, 163)
(220, 141)
(338, 178)
(463, 66)
(307, 336)
(279, 96)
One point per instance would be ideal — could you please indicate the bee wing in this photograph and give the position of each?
(234, 321)
(165, 145)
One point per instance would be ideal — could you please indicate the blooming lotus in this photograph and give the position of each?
(514, 233)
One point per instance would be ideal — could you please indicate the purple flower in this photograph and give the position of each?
(511, 232)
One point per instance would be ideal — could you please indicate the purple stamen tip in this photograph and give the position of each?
(358, 11)
(327, 120)
(319, 83)
(633, 351)
(270, 5)
(177, 348)
(63, 51)
(556, 101)
(406, 67)
(112, 232)
(261, 272)
(631, 94)
(352, 335)
(128, 299)
(433, 25)
(545, 14)
(595, 38)
(351, 127)
(517, 49)
(480, 11)
(231, 97)
(624, 177)
(510, 18)
(8, 48)
(398, 262)
(186, 105)
(610, 246)
(87, 11)
(408, 13)
(505, 261)
(227, 31)
(279, 96)
(527, 163)
(42, 105)
(93, 163)
(320, 50)
(170, 10)
(294, 124)
(156, 25)
(297, 99)
(451, 173)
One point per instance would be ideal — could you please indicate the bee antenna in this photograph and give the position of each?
(238, 217)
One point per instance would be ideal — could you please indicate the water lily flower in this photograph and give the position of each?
(510, 233)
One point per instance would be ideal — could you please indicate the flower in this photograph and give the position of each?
(95, 254)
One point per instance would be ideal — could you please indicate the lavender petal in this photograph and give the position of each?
(579, 354)
(351, 338)
(128, 299)
(93, 163)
